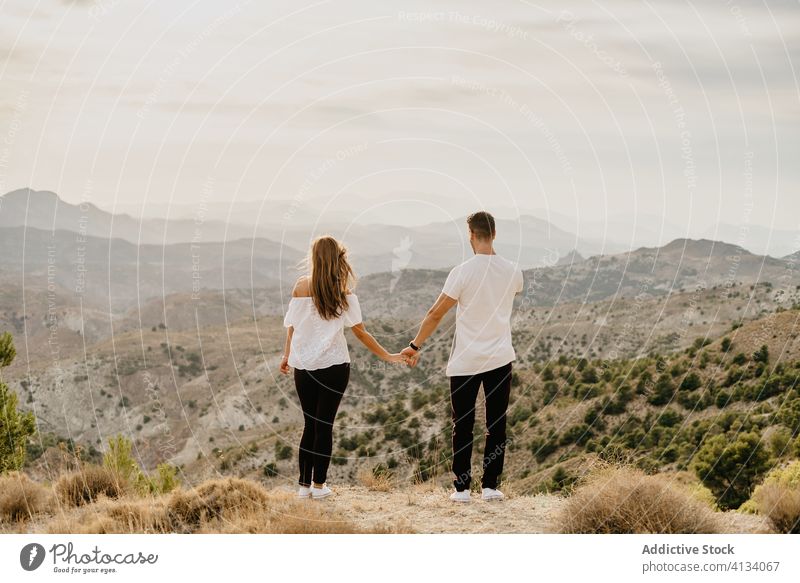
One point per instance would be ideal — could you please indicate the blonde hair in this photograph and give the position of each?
(331, 276)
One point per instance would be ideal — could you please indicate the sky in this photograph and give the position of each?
(683, 112)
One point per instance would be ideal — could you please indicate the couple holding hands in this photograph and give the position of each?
(322, 304)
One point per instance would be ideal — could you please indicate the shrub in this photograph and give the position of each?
(519, 414)
(378, 479)
(216, 500)
(589, 375)
(550, 392)
(283, 451)
(21, 497)
(561, 481)
(87, 484)
(15, 427)
(662, 392)
(762, 354)
(730, 468)
(118, 460)
(690, 382)
(778, 498)
(541, 447)
(219, 506)
(624, 500)
(164, 481)
(578, 434)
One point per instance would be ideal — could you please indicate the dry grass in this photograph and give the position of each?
(21, 498)
(86, 485)
(229, 505)
(778, 498)
(781, 505)
(375, 481)
(622, 499)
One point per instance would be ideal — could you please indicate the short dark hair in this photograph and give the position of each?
(482, 224)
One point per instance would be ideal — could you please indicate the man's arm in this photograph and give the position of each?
(430, 323)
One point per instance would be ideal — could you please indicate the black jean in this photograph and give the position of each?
(320, 392)
(463, 395)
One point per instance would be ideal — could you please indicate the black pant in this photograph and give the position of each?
(320, 392)
(463, 395)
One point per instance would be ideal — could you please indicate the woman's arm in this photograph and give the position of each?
(287, 347)
(374, 346)
(300, 289)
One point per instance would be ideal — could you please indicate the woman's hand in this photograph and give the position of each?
(284, 364)
(397, 358)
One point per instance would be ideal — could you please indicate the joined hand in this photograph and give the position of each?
(412, 356)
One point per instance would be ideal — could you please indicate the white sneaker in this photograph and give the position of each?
(324, 492)
(491, 494)
(462, 496)
(303, 492)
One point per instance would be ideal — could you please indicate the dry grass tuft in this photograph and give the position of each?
(375, 481)
(622, 499)
(21, 498)
(217, 500)
(778, 498)
(87, 484)
(781, 505)
(229, 505)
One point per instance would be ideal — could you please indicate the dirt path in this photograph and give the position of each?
(427, 510)
(424, 509)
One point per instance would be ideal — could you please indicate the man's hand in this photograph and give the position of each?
(411, 354)
(284, 368)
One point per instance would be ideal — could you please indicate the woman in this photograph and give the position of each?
(321, 305)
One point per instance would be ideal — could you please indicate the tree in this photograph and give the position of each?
(731, 468)
(691, 382)
(762, 354)
(15, 427)
(118, 459)
(662, 392)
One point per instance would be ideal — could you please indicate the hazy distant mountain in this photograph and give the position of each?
(683, 264)
(375, 247)
(118, 274)
(619, 231)
(394, 207)
(570, 258)
(529, 241)
(758, 239)
(45, 210)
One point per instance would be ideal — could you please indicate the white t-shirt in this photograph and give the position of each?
(316, 342)
(485, 286)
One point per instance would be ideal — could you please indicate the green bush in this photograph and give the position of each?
(731, 468)
(15, 427)
(690, 382)
(577, 434)
(541, 447)
(550, 392)
(778, 497)
(662, 392)
(762, 354)
(283, 451)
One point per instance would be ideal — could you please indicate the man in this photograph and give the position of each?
(484, 287)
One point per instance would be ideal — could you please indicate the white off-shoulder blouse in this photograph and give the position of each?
(316, 342)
